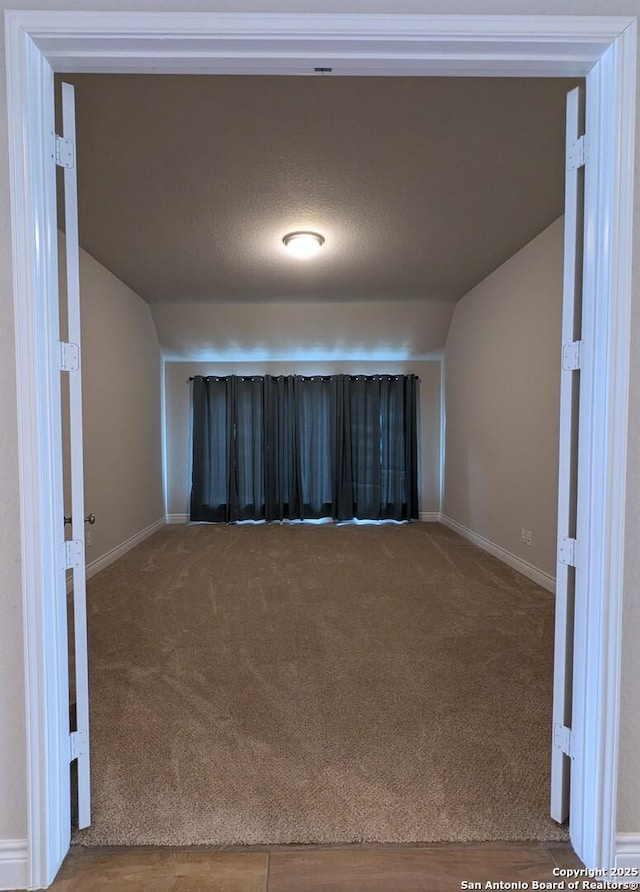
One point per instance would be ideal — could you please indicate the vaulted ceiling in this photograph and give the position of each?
(421, 186)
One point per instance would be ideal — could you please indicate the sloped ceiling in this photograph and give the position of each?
(302, 331)
(421, 187)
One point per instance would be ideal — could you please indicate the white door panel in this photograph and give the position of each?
(75, 547)
(568, 465)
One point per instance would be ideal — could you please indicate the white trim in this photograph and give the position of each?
(35, 277)
(114, 553)
(443, 426)
(601, 47)
(14, 864)
(429, 517)
(177, 518)
(292, 43)
(517, 563)
(163, 428)
(627, 853)
(602, 461)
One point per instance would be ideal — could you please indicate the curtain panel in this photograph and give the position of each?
(295, 448)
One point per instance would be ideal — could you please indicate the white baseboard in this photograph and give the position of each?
(430, 516)
(14, 864)
(512, 560)
(177, 518)
(117, 552)
(627, 853)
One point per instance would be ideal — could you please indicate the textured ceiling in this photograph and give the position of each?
(421, 186)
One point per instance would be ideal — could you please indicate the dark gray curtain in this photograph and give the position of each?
(211, 474)
(282, 482)
(381, 438)
(315, 444)
(291, 447)
(228, 449)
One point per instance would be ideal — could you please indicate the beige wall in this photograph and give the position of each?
(13, 823)
(178, 411)
(121, 407)
(502, 386)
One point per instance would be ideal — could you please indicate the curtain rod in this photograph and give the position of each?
(304, 377)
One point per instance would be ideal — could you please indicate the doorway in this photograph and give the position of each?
(610, 86)
(147, 123)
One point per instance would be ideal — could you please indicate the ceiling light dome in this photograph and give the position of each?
(303, 244)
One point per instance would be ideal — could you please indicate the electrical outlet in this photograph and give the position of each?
(523, 535)
(87, 538)
(529, 537)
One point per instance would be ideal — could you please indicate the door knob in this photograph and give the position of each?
(90, 518)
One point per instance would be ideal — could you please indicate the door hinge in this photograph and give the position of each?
(74, 553)
(572, 356)
(64, 152)
(577, 153)
(69, 357)
(77, 744)
(562, 738)
(568, 552)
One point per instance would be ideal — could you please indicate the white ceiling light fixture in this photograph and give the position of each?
(303, 244)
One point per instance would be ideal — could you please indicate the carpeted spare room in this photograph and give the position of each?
(317, 683)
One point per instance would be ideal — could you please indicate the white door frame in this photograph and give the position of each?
(603, 49)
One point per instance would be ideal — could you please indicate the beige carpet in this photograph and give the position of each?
(282, 684)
